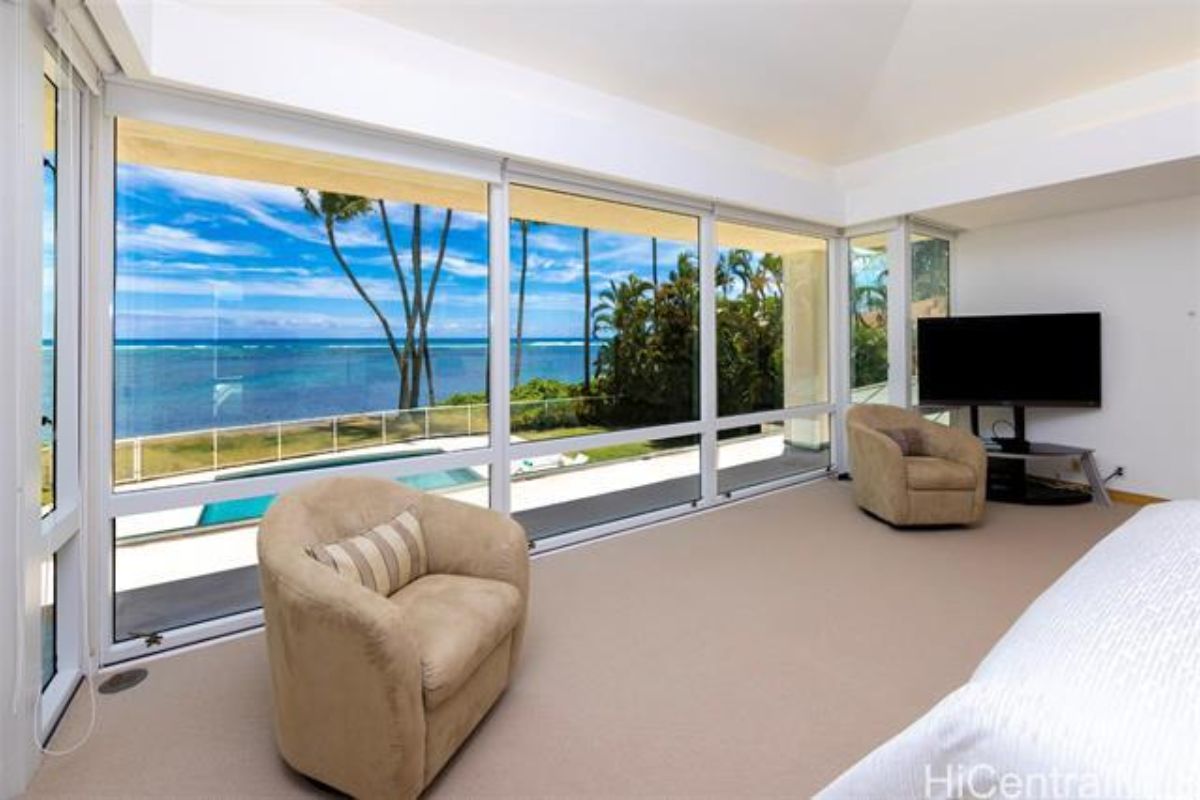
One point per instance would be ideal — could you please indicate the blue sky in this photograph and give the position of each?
(210, 257)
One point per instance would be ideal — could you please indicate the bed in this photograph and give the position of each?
(1094, 691)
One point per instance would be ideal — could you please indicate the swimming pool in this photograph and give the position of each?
(244, 509)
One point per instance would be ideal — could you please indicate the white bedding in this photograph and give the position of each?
(1094, 692)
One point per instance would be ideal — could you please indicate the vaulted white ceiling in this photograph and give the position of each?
(831, 81)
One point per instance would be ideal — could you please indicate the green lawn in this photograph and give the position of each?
(165, 456)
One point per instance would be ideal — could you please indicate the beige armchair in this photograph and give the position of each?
(942, 482)
(373, 694)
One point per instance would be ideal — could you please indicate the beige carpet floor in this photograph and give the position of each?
(754, 651)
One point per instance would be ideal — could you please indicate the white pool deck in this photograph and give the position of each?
(155, 561)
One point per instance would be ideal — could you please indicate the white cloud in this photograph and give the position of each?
(552, 270)
(159, 268)
(554, 240)
(235, 286)
(199, 322)
(312, 287)
(463, 267)
(263, 202)
(164, 239)
(550, 301)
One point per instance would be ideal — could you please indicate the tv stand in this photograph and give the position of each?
(1009, 482)
(1017, 443)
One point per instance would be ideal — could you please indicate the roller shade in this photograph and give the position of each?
(170, 147)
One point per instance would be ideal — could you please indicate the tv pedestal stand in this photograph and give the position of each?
(1008, 459)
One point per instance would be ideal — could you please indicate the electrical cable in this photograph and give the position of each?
(87, 734)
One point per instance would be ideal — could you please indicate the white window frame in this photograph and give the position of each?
(899, 232)
(125, 98)
(62, 540)
(919, 227)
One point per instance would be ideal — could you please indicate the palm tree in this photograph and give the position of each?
(333, 208)
(868, 297)
(618, 313)
(413, 360)
(427, 310)
(654, 260)
(525, 225)
(587, 312)
(418, 303)
(616, 303)
(406, 401)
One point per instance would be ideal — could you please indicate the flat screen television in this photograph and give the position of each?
(1018, 360)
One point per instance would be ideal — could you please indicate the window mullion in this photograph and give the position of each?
(899, 289)
(839, 343)
(499, 350)
(708, 359)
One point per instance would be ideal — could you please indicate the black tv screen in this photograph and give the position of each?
(1020, 360)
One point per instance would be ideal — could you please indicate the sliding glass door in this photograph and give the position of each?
(605, 306)
(61, 574)
(772, 310)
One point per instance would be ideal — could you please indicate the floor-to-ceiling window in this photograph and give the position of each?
(276, 309)
(605, 307)
(869, 318)
(930, 290)
(279, 310)
(772, 317)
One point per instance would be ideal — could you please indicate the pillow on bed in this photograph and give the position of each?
(383, 559)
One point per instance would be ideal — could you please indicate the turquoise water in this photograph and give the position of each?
(168, 386)
(250, 508)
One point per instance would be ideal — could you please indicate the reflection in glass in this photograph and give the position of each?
(930, 290)
(605, 314)
(752, 455)
(197, 563)
(772, 319)
(277, 308)
(566, 491)
(49, 294)
(868, 319)
(49, 620)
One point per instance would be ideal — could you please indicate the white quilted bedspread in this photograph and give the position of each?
(1094, 692)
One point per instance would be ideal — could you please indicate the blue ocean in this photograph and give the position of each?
(165, 386)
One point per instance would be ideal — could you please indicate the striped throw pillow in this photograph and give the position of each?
(383, 559)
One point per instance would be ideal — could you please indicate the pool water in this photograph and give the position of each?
(244, 509)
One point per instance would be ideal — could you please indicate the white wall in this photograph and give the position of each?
(1140, 267)
(1151, 119)
(322, 59)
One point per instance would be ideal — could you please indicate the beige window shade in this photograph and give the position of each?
(155, 145)
(874, 241)
(560, 208)
(50, 117)
(765, 240)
